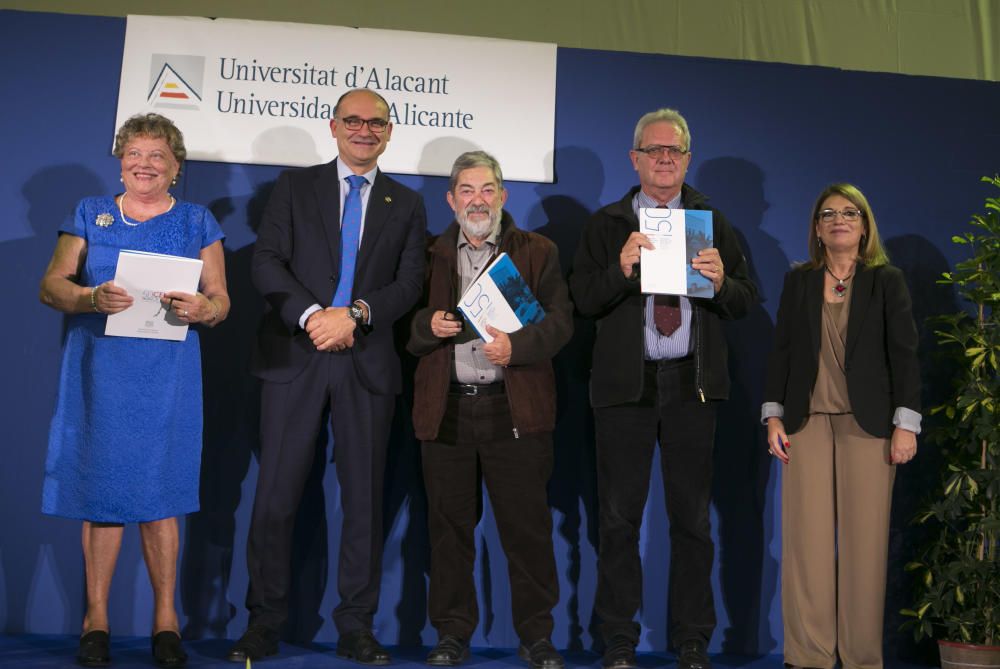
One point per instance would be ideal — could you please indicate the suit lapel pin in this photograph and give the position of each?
(388, 200)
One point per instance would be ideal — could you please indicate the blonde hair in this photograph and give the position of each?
(870, 250)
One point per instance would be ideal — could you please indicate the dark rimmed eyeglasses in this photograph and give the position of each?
(376, 125)
(657, 151)
(830, 215)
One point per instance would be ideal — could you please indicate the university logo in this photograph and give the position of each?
(175, 81)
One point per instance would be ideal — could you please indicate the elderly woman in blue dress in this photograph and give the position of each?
(125, 440)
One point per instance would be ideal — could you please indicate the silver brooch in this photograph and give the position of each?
(104, 220)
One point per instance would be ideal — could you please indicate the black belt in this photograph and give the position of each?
(472, 389)
(669, 362)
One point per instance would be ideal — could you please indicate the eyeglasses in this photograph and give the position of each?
(376, 125)
(657, 151)
(830, 215)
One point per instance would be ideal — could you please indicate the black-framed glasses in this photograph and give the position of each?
(830, 215)
(657, 151)
(376, 125)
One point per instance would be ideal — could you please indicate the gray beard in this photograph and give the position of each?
(479, 229)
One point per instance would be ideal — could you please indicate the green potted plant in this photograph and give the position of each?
(958, 571)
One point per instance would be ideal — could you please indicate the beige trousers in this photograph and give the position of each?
(835, 497)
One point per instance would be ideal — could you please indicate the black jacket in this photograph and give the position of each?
(880, 359)
(296, 263)
(601, 291)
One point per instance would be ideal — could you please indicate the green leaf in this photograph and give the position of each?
(948, 489)
(972, 485)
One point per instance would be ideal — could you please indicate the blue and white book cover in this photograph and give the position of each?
(678, 235)
(501, 298)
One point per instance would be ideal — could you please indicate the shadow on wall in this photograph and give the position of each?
(232, 416)
(748, 574)
(922, 264)
(285, 146)
(573, 486)
(433, 189)
(41, 560)
(231, 409)
(405, 501)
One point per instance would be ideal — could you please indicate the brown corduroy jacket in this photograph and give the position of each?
(529, 378)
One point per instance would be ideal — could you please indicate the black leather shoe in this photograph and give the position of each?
(362, 647)
(541, 654)
(256, 643)
(95, 649)
(693, 655)
(167, 649)
(619, 653)
(450, 651)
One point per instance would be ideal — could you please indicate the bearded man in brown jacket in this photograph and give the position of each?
(488, 409)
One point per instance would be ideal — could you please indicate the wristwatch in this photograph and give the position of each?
(356, 313)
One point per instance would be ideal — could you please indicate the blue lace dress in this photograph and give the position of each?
(125, 440)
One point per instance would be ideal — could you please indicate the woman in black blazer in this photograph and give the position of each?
(842, 405)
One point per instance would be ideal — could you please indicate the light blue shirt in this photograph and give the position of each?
(657, 346)
(343, 171)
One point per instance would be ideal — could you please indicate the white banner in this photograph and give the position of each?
(263, 92)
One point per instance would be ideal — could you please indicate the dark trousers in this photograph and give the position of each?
(476, 440)
(626, 435)
(291, 417)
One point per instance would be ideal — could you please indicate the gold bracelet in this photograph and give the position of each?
(93, 299)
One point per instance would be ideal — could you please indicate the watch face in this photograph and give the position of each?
(355, 312)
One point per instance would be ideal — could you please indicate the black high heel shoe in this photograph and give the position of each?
(95, 649)
(167, 649)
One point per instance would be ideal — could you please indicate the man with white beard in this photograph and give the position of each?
(486, 412)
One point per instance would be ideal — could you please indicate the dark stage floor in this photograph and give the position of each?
(50, 652)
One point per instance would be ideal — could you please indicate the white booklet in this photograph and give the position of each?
(678, 235)
(501, 298)
(146, 277)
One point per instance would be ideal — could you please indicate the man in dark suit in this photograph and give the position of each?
(659, 368)
(339, 258)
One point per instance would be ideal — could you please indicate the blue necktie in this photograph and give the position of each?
(350, 233)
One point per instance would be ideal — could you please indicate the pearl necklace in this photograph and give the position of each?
(121, 210)
(841, 288)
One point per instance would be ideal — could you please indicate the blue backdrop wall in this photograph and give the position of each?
(766, 139)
